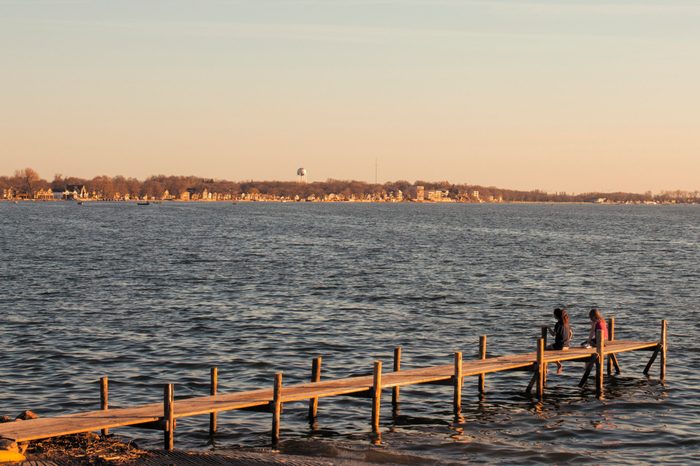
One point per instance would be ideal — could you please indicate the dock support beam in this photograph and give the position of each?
(544, 337)
(662, 374)
(104, 399)
(458, 380)
(482, 356)
(315, 377)
(214, 383)
(397, 367)
(600, 358)
(276, 409)
(540, 368)
(169, 417)
(376, 395)
(611, 337)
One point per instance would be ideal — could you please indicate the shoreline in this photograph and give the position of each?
(90, 448)
(274, 201)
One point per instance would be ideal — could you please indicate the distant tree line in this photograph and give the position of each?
(27, 182)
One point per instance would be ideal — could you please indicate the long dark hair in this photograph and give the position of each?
(595, 314)
(562, 316)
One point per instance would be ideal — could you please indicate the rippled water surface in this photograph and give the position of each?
(159, 293)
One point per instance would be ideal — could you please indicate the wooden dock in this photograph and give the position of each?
(162, 416)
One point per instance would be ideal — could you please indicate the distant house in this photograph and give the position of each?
(438, 195)
(7, 193)
(75, 191)
(420, 193)
(44, 194)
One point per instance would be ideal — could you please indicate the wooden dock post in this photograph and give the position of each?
(544, 334)
(482, 356)
(397, 367)
(376, 395)
(315, 377)
(458, 380)
(662, 361)
(276, 409)
(214, 380)
(611, 337)
(104, 399)
(600, 359)
(169, 417)
(544, 337)
(540, 368)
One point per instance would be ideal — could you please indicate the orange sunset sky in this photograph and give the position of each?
(558, 95)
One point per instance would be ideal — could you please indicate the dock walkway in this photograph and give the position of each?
(162, 415)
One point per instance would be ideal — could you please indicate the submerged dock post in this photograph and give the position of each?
(540, 368)
(397, 367)
(376, 395)
(482, 356)
(458, 380)
(600, 358)
(662, 361)
(315, 377)
(276, 409)
(104, 399)
(611, 337)
(214, 381)
(169, 417)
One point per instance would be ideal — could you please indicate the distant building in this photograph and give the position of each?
(438, 195)
(420, 193)
(75, 191)
(44, 194)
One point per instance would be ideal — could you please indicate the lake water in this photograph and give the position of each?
(154, 294)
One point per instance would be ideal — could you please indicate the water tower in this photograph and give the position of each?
(301, 173)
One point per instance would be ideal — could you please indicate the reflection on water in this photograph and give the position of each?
(160, 294)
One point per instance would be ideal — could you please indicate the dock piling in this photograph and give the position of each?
(458, 380)
(662, 372)
(611, 337)
(544, 334)
(315, 377)
(540, 368)
(169, 417)
(600, 358)
(104, 399)
(376, 395)
(276, 409)
(482, 356)
(397, 367)
(214, 383)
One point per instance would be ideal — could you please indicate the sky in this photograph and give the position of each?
(559, 95)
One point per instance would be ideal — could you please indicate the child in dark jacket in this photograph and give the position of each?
(562, 334)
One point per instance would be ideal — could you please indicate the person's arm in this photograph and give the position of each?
(551, 332)
(591, 334)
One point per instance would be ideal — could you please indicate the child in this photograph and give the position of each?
(597, 323)
(562, 334)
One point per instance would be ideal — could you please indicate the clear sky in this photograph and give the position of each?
(560, 95)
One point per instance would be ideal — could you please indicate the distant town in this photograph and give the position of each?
(27, 185)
